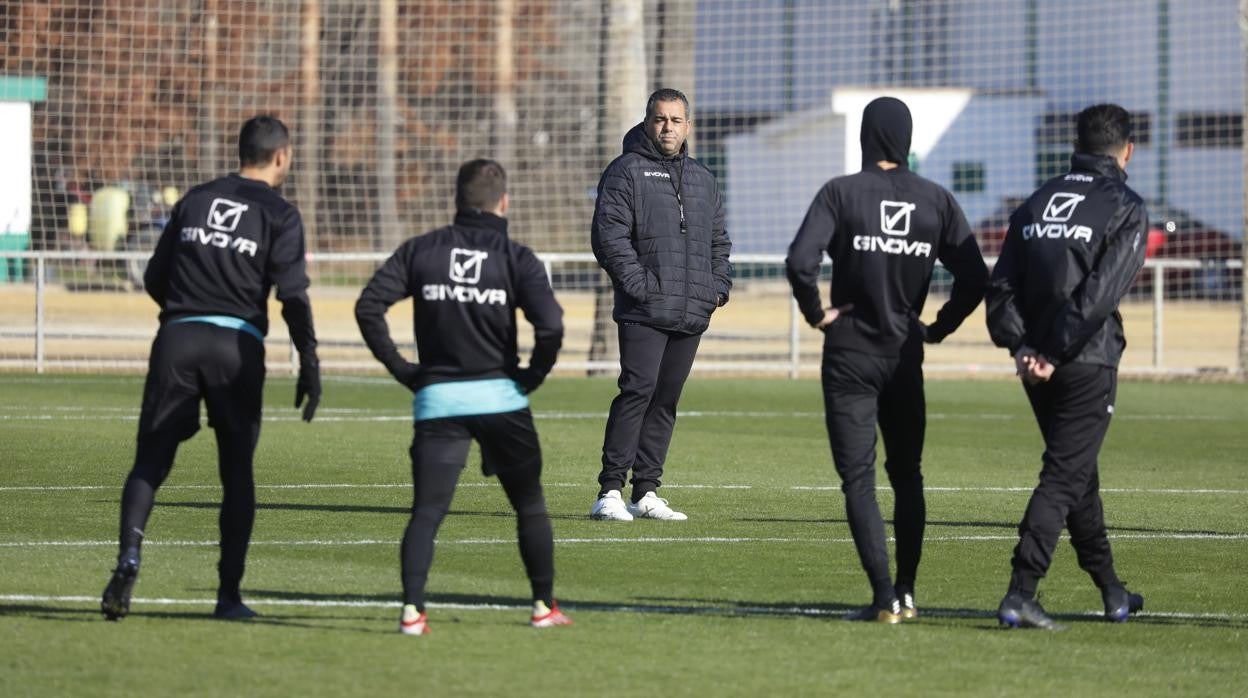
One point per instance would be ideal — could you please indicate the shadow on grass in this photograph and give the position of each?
(953, 617)
(86, 614)
(354, 509)
(1006, 525)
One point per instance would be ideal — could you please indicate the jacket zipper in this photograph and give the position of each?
(677, 183)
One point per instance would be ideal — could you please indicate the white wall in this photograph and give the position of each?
(774, 172)
(15, 168)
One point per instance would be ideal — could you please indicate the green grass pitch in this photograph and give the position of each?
(742, 599)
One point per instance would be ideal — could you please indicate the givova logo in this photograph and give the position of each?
(895, 224)
(216, 238)
(1061, 207)
(895, 217)
(224, 215)
(466, 265)
(466, 268)
(1057, 212)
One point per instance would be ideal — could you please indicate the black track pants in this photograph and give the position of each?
(1073, 410)
(653, 368)
(510, 450)
(859, 392)
(223, 367)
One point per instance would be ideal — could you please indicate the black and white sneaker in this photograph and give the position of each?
(1120, 603)
(115, 603)
(874, 614)
(909, 611)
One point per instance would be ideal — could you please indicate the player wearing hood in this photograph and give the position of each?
(884, 229)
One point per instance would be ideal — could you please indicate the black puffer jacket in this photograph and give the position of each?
(670, 269)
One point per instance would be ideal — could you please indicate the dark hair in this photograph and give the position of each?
(480, 184)
(1103, 129)
(260, 138)
(666, 94)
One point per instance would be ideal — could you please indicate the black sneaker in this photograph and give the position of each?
(228, 609)
(909, 611)
(1120, 603)
(872, 614)
(115, 604)
(1016, 611)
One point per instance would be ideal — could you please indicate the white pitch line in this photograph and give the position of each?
(583, 607)
(313, 603)
(645, 540)
(350, 415)
(561, 485)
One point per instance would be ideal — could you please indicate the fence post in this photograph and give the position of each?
(40, 286)
(795, 338)
(1158, 290)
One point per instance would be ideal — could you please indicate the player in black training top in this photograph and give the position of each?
(228, 242)
(884, 229)
(1071, 252)
(466, 281)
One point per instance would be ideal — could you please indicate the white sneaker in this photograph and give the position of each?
(610, 507)
(651, 507)
(413, 622)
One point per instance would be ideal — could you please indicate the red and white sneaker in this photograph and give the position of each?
(413, 622)
(544, 617)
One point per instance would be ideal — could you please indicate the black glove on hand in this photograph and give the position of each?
(308, 385)
(528, 380)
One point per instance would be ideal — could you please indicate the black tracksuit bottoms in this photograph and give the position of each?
(510, 450)
(653, 367)
(860, 391)
(1073, 409)
(224, 367)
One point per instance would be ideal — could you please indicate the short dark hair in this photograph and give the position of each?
(480, 184)
(1102, 129)
(260, 139)
(666, 94)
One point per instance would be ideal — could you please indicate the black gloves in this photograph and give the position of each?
(309, 384)
(527, 379)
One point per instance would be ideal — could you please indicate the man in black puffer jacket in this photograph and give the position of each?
(658, 231)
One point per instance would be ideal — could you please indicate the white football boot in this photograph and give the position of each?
(651, 507)
(610, 507)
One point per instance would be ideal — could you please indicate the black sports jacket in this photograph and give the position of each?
(1071, 252)
(884, 231)
(658, 231)
(227, 243)
(466, 281)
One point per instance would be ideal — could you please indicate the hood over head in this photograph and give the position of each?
(886, 131)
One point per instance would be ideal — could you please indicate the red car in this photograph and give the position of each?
(1172, 234)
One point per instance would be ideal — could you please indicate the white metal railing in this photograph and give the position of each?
(791, 365)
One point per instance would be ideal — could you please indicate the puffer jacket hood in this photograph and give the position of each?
(886, 131)
(636, 141)
(658, 231)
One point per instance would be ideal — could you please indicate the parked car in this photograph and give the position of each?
(1172, 234)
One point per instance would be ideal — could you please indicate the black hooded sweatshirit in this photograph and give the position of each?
(884, 230)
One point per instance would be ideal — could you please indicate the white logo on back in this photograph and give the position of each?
(895, 217)
(1061, 207)
(224, 215)
(466, 265)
